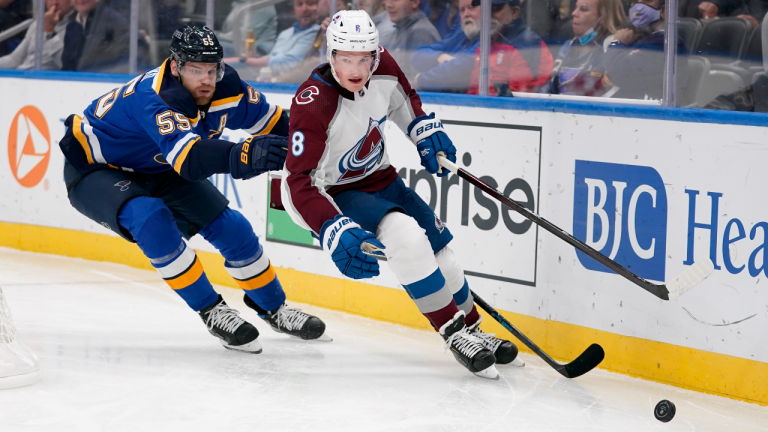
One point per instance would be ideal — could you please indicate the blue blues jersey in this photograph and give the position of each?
(151, 123)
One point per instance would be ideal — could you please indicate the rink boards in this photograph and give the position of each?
(655, 189)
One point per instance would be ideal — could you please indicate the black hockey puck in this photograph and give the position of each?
(664, 411)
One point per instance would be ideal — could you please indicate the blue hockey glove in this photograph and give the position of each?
(430, 138)
(257, 155)
(342, 238)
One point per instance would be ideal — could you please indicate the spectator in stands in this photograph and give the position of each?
(292, 44)
(521, 61)
(317, 53)
(707, 10)
(96, 39)
(444, 14)
(578, 68)
(446, 65)
(634, 62)
(380, 17)
(725, 8)
(13, 12)
(412, 30)
(262, 22)
(57, 15)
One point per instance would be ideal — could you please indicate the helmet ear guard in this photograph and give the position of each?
(352, 31)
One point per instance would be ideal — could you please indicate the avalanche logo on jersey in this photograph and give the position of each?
(366, 155)
(306, 96)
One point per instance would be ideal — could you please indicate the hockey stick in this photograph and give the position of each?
(584, 363)
(670, 290)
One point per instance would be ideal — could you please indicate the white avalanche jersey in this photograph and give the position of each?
(337, 143)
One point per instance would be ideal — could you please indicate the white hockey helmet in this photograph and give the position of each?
(352, 31)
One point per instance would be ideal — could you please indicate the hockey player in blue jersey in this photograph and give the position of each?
(138, 159)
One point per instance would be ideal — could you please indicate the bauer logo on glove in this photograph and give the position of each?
(342, 238)
(428, 127)
(430, 139)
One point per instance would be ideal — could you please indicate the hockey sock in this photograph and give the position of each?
(432, 299)
(457, 284)
(465, 302)
(410, 257)
(246, 261)
(152, 226)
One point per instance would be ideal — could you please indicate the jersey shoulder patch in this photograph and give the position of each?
(315, 104)
(307, 94)
(316, 91)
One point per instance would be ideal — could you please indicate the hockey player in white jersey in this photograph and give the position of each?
(339, 184)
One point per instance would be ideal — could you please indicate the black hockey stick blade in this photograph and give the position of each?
(678, 286)
(584, 363)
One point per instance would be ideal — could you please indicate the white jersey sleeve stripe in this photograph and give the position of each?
(263, 122)
(93, 141)
(224, 106)
(179, 146)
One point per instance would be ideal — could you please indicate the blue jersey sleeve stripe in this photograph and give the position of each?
(93, 141)
(179, 146)
(266, 123)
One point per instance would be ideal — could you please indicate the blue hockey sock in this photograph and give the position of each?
(246, 261)
(152, 226)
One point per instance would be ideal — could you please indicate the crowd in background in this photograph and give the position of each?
(607, 48)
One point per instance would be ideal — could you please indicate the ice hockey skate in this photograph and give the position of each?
(504, 350)
(468, 349)
(292, 321)
(234, 332)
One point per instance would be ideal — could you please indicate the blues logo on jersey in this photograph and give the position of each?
(366, 155)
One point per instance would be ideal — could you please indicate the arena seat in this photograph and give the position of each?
(723, 40)
(698, 70)
(689, 30)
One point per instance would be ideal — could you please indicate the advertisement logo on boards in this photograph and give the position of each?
(621, 211)
(29, 146)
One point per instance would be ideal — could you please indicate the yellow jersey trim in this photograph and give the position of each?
(77, 131)
(183, 156)
(272, 122)
(226, 100)
(160, 75)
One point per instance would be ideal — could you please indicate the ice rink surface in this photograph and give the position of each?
(121, 352)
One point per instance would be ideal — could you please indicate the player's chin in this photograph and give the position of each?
(202, 97)
(355, 84)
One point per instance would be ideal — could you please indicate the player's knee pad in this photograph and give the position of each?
(410, 256)
(452, 271)
(408, 251)
(455, 280)
(233, 236)
(151, 224)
